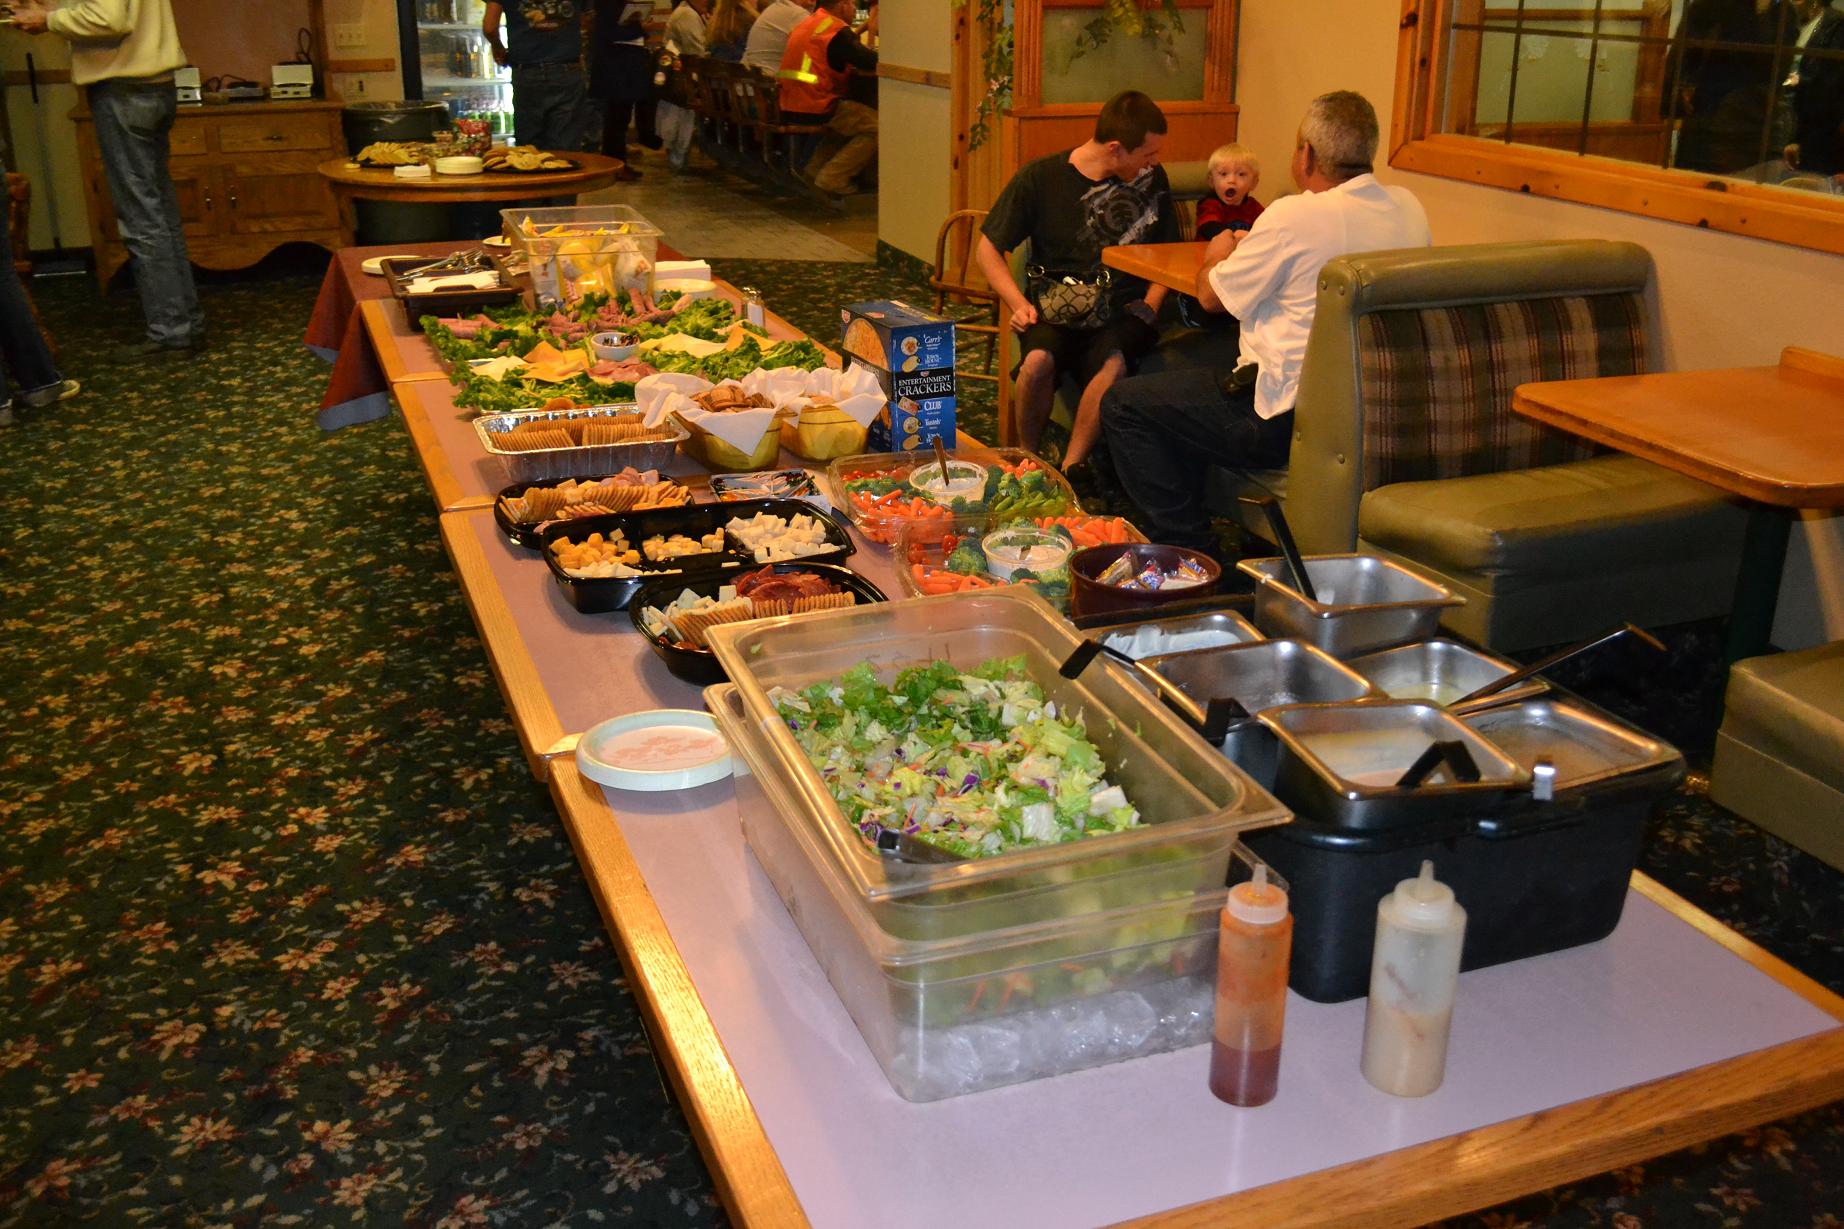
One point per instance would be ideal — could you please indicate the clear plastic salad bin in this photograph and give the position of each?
(955, 1016)
(1191, 801)
(584, 249)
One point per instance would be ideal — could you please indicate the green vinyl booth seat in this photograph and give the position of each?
(1405, 444)
(1780, 753)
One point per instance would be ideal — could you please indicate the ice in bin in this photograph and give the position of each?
(585, 249)
(1192, 801)
(1178, 633)
(949, 1017)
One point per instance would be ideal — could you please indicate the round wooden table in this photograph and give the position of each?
(351, 182)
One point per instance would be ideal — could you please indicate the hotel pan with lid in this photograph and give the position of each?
(1440, 672)
(1192, 800)
(1259, 676)
(1209, 629)
(1534, 875)
(1361, 603)
(1343, 764)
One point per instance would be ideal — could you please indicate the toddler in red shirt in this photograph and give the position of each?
(1234, 172)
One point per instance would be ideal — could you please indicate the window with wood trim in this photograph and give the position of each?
(1720, 113)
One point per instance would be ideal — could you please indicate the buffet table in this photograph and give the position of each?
(1671, 1031)
(350, 181)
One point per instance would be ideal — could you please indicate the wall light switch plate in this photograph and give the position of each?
(349, 34)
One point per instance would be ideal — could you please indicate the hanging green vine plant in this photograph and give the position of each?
(995, 64)
(1128, 18)
(1124, 17)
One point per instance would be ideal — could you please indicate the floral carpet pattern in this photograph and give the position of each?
(288, 933)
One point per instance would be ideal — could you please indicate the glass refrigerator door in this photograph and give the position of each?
(456, 61)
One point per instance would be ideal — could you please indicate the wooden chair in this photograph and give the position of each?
(19, 221)
(780, 142)
(957, 280)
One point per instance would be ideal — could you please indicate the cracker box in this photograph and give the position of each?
(915, 385)
(907, 424)
(892, 335)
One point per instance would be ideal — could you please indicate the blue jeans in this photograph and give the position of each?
(28, 360)
(1166, 430)
(132, 123)
(548, 105)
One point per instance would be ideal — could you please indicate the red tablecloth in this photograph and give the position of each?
(356, 388)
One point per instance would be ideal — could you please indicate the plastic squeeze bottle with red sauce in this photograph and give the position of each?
(1254, 942)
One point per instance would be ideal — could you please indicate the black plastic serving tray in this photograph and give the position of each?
(527, 535)
(701, 666)
(599, 594)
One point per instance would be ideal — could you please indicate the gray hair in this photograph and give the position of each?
(1342, 129)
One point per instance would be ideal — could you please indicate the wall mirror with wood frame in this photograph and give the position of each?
(1720, 113)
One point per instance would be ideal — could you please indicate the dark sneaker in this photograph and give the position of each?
(39, 398)
(146, 351)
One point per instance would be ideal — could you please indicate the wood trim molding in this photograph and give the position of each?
(915, 76)
(750, 1180)
(386, 65)
(46, 76)
(1782, 215)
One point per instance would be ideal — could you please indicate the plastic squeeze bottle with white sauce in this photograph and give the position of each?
(1414, 971)
(1254, 943)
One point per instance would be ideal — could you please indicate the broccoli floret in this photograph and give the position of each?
(1034, 481)
(967, 558)
(995, 479)
(1023, 576)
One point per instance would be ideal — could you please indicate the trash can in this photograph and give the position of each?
(382, 222)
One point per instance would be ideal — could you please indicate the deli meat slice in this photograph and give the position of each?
(764, 585)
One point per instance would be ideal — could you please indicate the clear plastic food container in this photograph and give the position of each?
(879, 514)
(1191, 800)
(944, 1018)
(584, 249)
(923, 550)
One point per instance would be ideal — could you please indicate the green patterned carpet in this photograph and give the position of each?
(288, 934)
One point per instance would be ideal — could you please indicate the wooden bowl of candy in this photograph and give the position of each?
(1136, 576)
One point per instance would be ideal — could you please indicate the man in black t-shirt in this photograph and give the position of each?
(1109, 190)
(544, 46)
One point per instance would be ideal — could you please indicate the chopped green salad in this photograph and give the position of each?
(976, 764)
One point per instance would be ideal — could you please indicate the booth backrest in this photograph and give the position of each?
(1413, 355)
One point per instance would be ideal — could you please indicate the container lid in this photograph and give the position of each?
(1424, 901)
(1257, 902)
(662, 749)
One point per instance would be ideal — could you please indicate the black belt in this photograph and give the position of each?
(549, 68)
(1241, 378)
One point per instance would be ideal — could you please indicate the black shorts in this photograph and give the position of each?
(1083, 352)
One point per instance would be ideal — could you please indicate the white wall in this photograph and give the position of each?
(914, 126)
(1723, 300)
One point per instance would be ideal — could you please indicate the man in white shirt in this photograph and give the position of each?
(1166, 430)
(768, 37)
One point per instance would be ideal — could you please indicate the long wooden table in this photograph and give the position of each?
(1672, 1031)
(1772, 435)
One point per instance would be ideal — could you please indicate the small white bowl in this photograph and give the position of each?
(496, 241)
(458, 164)
(665, 749)
(609, 346)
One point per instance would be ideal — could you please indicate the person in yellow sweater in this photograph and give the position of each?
(124, 52)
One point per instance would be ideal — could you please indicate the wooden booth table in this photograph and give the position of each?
(1173, 265)
(1771, 435)
(351, 182)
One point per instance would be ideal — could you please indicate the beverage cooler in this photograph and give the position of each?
(446, 58)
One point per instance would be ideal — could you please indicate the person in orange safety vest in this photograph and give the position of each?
(822, 54)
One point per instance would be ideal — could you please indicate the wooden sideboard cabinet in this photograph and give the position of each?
(245, 177)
